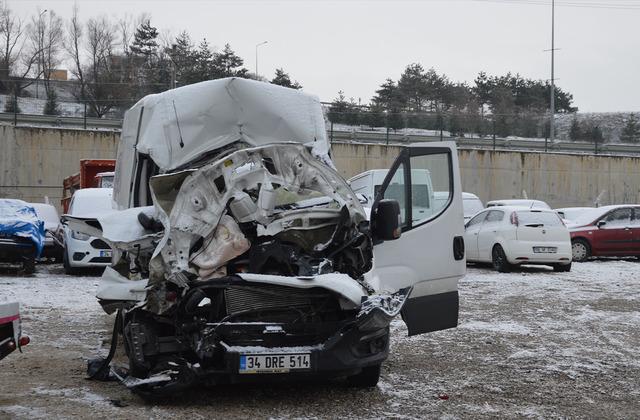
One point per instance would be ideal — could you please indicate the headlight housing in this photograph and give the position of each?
(79, 235)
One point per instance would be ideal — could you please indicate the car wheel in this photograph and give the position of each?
(65, 262)
(562, 268)
(367, 378)
(499, 260)
(29, 266)
(580, 250)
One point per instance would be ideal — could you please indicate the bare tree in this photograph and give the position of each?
(46, 36)
(75, 32)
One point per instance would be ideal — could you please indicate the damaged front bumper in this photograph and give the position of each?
(219, 353)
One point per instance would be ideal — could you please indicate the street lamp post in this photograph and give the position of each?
(40, 47)
(257, 45)
(552, 133)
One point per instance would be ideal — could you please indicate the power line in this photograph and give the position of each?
(617, 5)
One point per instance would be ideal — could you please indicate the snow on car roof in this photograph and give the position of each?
(592, 215)
(89, 202)
(178, 126)
(14, 209)
(537, 204)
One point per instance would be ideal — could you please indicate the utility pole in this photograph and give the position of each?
(552, 133)
(257, 45)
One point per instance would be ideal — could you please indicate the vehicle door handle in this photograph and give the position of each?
(458, 248)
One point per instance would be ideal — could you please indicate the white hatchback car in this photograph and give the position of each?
(81, 250)
(508, 235)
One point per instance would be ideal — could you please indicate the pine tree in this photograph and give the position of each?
(145, 40)
(575, 132)
(596, 135)
(11, 105)
(282, 78)
(228, 64)
(51, 106)
(631, 131)
(338, 109)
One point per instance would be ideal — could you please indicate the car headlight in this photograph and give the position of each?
(79, 235)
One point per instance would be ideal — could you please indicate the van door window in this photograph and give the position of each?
(396, 190)
(421, 181)
(431, 182)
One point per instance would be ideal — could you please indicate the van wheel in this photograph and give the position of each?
(499, 260)
(65, 263)
(562, 268)
(581, 250)
(367, 378)
(29, 266)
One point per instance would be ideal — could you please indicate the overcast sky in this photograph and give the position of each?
(355, 45)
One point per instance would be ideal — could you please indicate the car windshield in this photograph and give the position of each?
(539, 218)
(87, 206)
(471, 206)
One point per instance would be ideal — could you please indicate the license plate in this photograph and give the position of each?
(105, 253)
(545, 249)
(274, 363)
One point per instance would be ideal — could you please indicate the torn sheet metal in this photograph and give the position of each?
(276, 175)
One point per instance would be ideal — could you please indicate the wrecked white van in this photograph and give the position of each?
(241, 254)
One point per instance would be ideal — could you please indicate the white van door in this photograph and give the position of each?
(429, 256)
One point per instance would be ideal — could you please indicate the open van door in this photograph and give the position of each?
(429, 255)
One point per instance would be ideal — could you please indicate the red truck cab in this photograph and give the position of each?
(94, 173)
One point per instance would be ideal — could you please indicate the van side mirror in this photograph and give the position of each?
(386, 220)
(601, 223)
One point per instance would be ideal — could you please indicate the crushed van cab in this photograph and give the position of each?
(241, 254)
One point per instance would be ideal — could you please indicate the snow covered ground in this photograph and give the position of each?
(532, 343)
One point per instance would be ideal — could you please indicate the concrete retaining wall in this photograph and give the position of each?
(34, 161)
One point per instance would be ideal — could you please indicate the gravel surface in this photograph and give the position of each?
(532, 343)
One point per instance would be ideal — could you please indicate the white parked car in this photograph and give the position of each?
(507, 236)
(532, 204)
(52, 240)
(82, 250)
(471, 205)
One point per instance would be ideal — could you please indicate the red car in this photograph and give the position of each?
(610, 231)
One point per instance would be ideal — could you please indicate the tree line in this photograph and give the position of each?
(112, 63)
(504, 105)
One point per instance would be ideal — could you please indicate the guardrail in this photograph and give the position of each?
(360, 136)
(60, 121)
(490, 143)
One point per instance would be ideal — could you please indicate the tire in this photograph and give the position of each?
(580, 250)
(562, 268)
(65, 262)
(499, 260)
(29, 266)
(367, 378)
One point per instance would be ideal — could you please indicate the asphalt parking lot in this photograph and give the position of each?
(532, 343)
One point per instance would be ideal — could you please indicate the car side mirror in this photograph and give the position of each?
(386, 220)
(601, 223)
